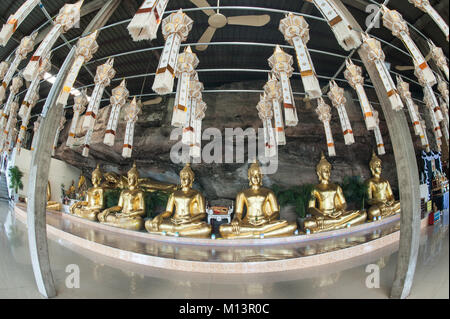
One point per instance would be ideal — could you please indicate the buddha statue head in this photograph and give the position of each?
(96, 176)
(133, 177)
(255, 175)
(375, 165)
(187, 176)
(323, 169)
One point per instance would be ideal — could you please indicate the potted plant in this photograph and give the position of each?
(15, 181)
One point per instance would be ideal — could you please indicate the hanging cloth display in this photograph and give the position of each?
(336, 95)
(10, 142)
(265, 113)
(428, 95)
(33, 89)
(443, 89)
(347, 38)
(439, 58)
(378, 136)
(196, 149)
(175, 29)
(296, 32)
(185, 70)
(426, 7)
(195, 96)
(4, 67)
(403, 89)
(281, 64)
(25, 119)
(26, 46)
(274, 94)
(146, 21)
(36, 125)
(323, 111)
(353, 74)
(68, 16)
(444, 109)
(78, 108)
(15, 20)
(62, 122)
(86, 48)
(17, 83)
(395, 23)
(10, 124)
(375, 55)
(131, 116)
(118, 99)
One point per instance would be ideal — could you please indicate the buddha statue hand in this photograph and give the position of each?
(236, 225)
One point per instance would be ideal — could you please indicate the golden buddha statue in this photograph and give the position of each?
(130, 210)
(71, 191)
(81, 187)
(328, 206)
(95, 201)
(379, 192)
(189, 205)
(262, 212)
(52, 205)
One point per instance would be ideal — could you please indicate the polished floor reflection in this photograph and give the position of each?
(102, 277)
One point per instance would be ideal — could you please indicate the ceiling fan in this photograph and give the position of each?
(150, 102)
(411, 67)
(217, 21)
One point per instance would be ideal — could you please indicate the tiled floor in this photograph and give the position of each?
(101, 277)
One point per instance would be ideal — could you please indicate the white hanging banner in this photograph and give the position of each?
(94, 104)
(307, 72)
(290, 112)
(8, 77)
(15, 20)
(379, 141)
(278, 119)
(128, 141)
(180, 108)
(431, 101)
(394, 98)
(87, 142)
(146, 21)
(336, 95)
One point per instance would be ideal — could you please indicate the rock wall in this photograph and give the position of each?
(297, 159)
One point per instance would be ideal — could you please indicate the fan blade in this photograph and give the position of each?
(206, 38)
(203, 4)
(253, 20)
(404, 67)
(153, 101)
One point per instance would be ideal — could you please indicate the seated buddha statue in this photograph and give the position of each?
(130, 210)
(71, 191)
(188, 218)
(381, 200)
(95, 201)
(262, 212)
(328, 206)
(52, 205)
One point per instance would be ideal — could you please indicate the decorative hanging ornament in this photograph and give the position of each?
(375, 55)
(10, 125)
(25, 119)
(62, 122)
(11, 139)
(86, 48)
(33, 89)
(195, 150)
(36, 125)
(185, 70)
(395, 23)
(175, 29)
(265, 113)
(444, 109)
(403, 89)
(274, 94)
(26, 46)
(105, 73)
(146, 21)
(347, 38)
(424, 137)
(353, 74)
(131, 116)
(336, 95)
(15, 20)
(443, 89)
(78, 108)
(118, 99)
(378, 136)
(4, 66)
(17, 83)
(195, 96)
(296, 32)
(281, 64)
(428, 95)
(68, 16)
(323, 111)
(439, 58)
(426, 7)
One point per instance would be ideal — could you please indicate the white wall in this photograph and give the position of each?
(60, 173)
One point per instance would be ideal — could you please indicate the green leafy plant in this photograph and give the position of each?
(15, 179)
(355, 190)
(112, 197)
(155, 200)
(297, 196)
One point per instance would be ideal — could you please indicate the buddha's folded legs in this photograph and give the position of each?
(132, 223)
(276, 228)
(197, 229)
(351, 218)
(85, 213)
(383, 210)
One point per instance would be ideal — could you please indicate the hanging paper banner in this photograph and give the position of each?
(443, 89)
(17, 83)
(265, 113)
(132, 112)
(323, 111)
(62, 121)
(10, 124)
(378, 136)
(15, 20)
(25, 119)
(68, 16)
(336, 95)
(118, 99)
(439, 58)
(296, 32)
(175, 29)
(403, 89)
(78, 108)
(195, 150)
(274, 94)
(146, 21)
(426, 7)
(36, 125)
